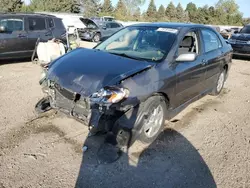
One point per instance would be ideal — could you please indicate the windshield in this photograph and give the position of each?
(143, 43)
(246, 29)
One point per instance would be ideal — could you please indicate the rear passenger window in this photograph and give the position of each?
(108, 25)
(51, 23)
(12, 24)
(211, 40)
(114, 25)
(36, 24)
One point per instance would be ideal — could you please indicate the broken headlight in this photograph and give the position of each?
(110, 95)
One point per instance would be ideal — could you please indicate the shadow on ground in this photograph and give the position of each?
(170, 161)
(14, 61)
(238, 57)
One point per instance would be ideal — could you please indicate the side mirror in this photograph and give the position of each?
(2, 29)
(188, 57)
(104, 27)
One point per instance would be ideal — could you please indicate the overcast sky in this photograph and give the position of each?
(244, 4)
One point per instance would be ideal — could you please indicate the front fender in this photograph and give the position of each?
(128, 127)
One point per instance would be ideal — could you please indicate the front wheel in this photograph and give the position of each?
(155, 110)
(219, 84)
(97, 37)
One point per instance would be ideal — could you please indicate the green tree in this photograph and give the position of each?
(180, 13)
(107, 8)
(132, 5)
(204, 15)
(246, 21)
(53, 6)
(186, 17)
(228, 12)
(37, 5)
(121, 11)
(161, 14)
(10, 5)
(192, 11)
(151, 11)
(90, 7)
(137, 15)
(171, 12)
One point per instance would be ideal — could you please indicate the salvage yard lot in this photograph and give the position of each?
(207, 145)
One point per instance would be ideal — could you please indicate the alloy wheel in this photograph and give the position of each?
(153, 122)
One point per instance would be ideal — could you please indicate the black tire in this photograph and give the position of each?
(152, 104)
(96, 37)
(43, 105)
(219, 83)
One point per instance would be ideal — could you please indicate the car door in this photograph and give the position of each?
(213, 56)
(115, 27)
(50, 27)
(105, 29)
(36, 27)
(189, 74)
(14, 40)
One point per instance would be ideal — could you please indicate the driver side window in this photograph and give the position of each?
(12, 24)
(189, 44)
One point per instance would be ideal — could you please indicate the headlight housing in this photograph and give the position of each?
(110, 95)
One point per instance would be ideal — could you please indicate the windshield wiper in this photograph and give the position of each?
(126, 55)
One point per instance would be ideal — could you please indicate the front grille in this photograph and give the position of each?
(70, 103)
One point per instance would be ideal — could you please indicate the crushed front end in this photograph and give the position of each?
(92, 111)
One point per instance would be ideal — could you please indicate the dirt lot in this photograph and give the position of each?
(207, 145)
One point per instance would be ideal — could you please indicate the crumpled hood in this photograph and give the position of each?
(86, 71)
(241, 36)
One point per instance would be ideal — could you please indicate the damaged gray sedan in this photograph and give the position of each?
(132, 82)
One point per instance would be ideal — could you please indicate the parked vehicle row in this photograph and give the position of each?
(143, 74)
(96, 30)
(240, 42)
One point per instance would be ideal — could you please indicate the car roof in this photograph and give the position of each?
(27, 14)
(171, 25)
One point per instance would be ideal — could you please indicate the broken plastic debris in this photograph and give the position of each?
(84, 148)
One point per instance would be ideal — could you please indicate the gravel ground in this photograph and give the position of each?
(207, 145)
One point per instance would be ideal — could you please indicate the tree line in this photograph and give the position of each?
(225, 12)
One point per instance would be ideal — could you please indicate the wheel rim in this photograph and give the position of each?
(96, 38)
(220, 82)
(153, 122)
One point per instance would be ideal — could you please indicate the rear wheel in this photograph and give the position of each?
(219, 84)
(97, 37)
(154, 118)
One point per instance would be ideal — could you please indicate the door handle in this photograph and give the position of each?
(48, 34)
(22, 36)
(204, 62)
